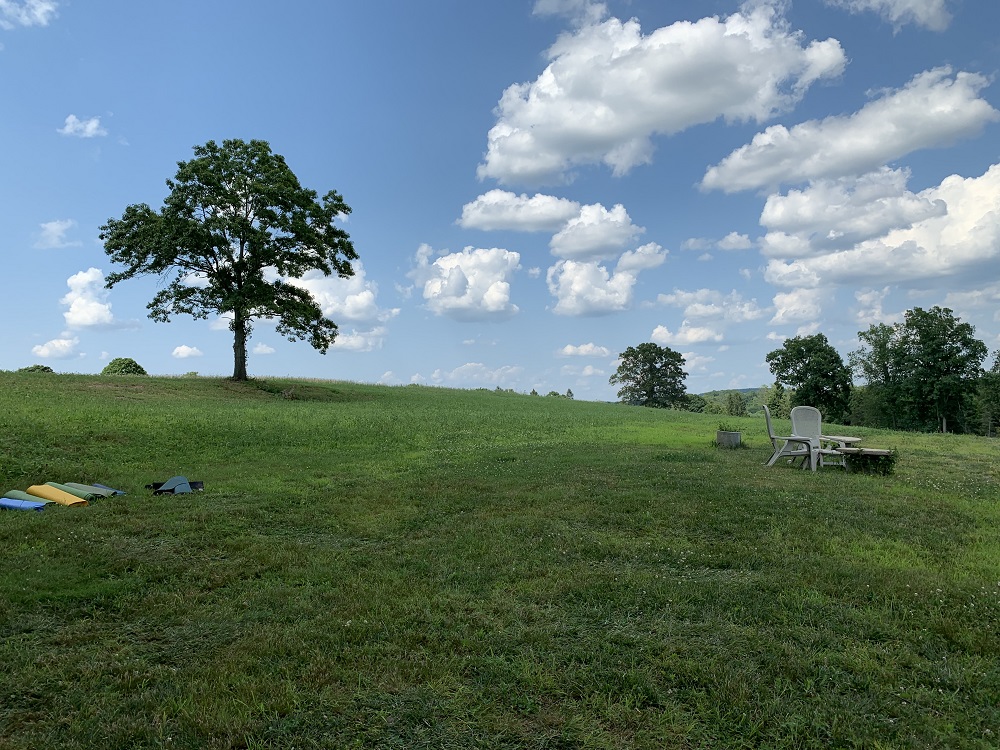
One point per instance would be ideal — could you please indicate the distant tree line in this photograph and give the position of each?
(924, 373)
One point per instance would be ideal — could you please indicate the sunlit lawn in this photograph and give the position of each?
(413, 567)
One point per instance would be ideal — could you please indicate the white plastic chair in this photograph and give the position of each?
(808, 422)
(787, 446)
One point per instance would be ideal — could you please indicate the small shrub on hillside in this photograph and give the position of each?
(123, 366)
(867, 463)
(36, 368)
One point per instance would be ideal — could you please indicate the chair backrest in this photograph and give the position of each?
(806, 421)
(767, 418)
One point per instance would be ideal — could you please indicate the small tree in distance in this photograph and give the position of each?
(736, 405)
(651, 375)
(234, 212)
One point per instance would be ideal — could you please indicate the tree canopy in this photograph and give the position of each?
(651, 375)
(815, 371)
(922, 373)
(234, 232)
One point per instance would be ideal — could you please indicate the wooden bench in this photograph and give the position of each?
(864, 451)
(854, 459)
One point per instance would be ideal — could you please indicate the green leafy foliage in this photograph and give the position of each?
(123, 366)
(816, 372)
(736, 404)
(36, 368)
(873, 463)
(232, 212)
(920, 374)
(989, 399)
(651, 375)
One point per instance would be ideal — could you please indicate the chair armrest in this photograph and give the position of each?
(794, 439)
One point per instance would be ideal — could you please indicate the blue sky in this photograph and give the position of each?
(536, 184)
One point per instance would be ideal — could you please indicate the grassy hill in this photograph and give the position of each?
(409, 567)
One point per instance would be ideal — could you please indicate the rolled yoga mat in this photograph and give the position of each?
(113, 490)
(18, 495)
(11, 503)
(56, 495)
(83, 495)
(93, 489)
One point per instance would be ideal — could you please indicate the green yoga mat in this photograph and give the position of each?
(97, 491)
(18, 495)
(83, 495)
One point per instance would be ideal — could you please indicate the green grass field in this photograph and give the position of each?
(374, 567)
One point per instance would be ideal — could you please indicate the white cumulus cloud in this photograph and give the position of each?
(89, 128)
(642, 258)
(354, 299)
(712, 305)
(964, 242)
(735, 241)
(934, 109)
(797, 306)
(608, 89)
(836, 214)
(585, 350)
(473, 284)
(686, 335)
(500, 209)
(63, 348)
(595, 234)
(87, 301)
(263, 349)
(361, 339)
(588, 288)
(185, 352)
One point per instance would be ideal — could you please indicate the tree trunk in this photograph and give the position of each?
(239, 328)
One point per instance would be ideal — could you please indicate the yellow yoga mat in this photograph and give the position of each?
(55, 495)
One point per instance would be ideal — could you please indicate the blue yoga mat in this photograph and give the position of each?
(18, 495)
(11, 504)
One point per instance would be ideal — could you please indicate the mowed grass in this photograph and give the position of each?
(374, 567)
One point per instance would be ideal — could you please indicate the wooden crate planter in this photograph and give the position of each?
(870, 460)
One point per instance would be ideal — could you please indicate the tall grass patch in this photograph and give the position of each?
(419, 567)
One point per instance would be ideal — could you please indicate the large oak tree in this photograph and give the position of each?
(235, 225)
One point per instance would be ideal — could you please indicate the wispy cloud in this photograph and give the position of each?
(53, 235)
(27, 13)
(932, 14)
